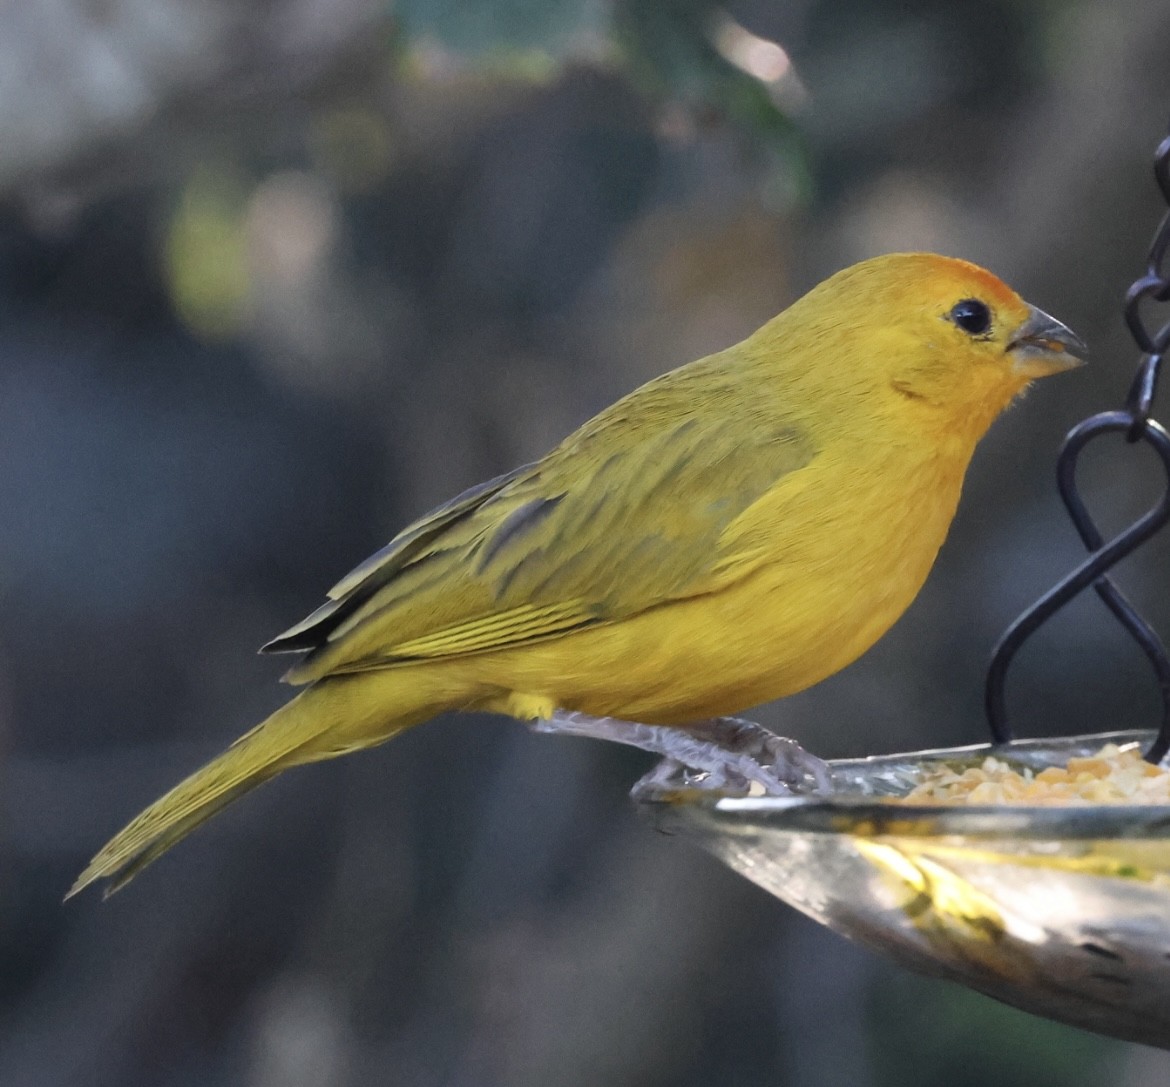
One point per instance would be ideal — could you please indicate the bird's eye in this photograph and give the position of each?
(971, 316)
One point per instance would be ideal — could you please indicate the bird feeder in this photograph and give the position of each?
(1063, 911)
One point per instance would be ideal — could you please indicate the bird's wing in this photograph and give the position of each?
(411, 545)
(629, 512)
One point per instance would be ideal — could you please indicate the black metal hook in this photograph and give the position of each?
(1092, 572)
(1136, 422)
(1152, 286)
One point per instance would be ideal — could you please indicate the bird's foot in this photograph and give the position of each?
(723, 753)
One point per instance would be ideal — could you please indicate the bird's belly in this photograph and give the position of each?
(772, 634)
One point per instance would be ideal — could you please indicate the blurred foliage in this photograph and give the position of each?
(206, 254)
(668, 47)
(672, 51)
(501, 26)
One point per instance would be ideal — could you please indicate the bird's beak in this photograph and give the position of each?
(1043, 346)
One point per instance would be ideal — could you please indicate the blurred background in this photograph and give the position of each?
(278, 275)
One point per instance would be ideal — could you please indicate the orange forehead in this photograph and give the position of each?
(963, 276)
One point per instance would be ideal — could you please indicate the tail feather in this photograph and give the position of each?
(281, 741)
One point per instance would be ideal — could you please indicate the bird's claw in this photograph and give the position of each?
(738, 756)
(783, 761)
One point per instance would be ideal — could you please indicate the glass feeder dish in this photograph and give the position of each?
(1063, 911)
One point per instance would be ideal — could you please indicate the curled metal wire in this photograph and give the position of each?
(1135, 421)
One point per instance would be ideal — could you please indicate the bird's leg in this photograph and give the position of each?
(719, 753)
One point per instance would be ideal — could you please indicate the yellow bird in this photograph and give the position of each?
(729, 533)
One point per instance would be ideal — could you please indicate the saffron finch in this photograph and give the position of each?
(731, 532)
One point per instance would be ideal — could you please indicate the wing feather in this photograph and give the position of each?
(380, 567)
(628, 513)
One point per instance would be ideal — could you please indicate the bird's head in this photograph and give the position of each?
(938, 340)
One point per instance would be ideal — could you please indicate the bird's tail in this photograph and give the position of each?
(323, 721)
